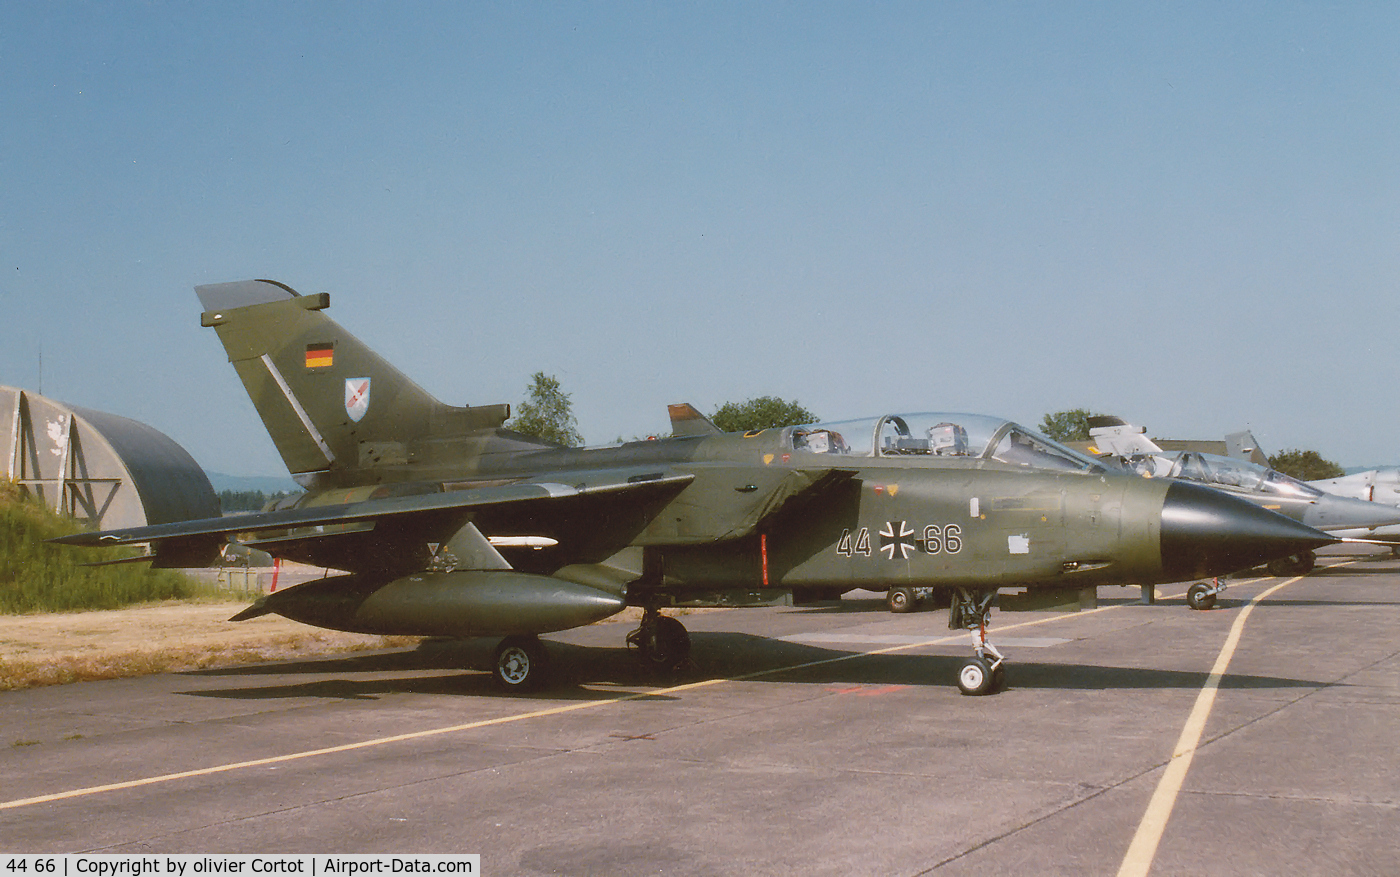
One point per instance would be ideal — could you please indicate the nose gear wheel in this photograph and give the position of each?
(1202, 595)
(985, 672)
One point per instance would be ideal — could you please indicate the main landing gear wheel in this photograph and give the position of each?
(900, 599)
(1200, 596)
(1293, 565)
(662, 642)
(520, 663)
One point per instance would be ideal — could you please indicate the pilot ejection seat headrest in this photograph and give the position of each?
(948, 440)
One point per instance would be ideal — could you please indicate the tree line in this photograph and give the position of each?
(248, 500)
(547, 413)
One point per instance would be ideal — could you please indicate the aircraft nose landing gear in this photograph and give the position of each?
(984, 672)
(1202, 595)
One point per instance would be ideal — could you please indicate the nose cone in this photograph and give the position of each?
(1206, 532)
(1344, 513)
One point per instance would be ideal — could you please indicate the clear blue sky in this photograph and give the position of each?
(1185, 214)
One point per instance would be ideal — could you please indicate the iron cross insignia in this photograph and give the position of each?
(894, 538)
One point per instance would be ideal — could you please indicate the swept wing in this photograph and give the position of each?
(436, 515)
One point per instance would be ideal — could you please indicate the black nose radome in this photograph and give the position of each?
(1206, 532)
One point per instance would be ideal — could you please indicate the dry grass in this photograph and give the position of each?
(77, 646)
(56, 648)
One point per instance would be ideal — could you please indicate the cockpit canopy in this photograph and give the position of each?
(939, 435)
(1224, 472)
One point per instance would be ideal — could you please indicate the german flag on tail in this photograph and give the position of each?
(320, 355)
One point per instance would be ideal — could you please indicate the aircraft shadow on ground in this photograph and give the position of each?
(1344, 572)
(847, 606)
(715, 655)
(859, 606)
(1310, 601)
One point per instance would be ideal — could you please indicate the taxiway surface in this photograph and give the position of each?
(826, 740)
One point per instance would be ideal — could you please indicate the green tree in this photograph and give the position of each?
(547, 413)
(1305, 465)
(762, 412)
(1067, 426)
(248, 500)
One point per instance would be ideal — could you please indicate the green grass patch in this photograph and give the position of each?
(38, 577)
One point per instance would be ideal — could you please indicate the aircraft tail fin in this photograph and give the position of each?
(1112, 435)
(1243, 446)
(687, 421)
(329, 402)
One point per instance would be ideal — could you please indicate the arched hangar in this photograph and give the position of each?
(109, 471)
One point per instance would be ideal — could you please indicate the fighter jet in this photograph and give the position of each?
(1342, 516)
(449, 524)
(1372, 485)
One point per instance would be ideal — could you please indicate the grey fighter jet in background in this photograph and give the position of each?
(1344, 517)
(1374, 485)
(448, 524)
(1371, 485)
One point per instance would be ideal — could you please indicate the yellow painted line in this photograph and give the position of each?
(1143, 849)
(517, 717)
(348, 747)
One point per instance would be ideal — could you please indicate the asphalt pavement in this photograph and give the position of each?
(821, 740)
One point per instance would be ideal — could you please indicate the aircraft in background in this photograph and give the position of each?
(1344, 517)
(1372, 485)
(1240, 445)
(448, 524)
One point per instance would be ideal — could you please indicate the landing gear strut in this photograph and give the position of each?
(662, 642)
(1202, 595)
(985, 672)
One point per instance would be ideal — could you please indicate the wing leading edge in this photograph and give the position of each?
(178, 544)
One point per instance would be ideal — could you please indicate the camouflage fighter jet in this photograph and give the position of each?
(450, 525)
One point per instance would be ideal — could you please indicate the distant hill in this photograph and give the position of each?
(246, 483)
